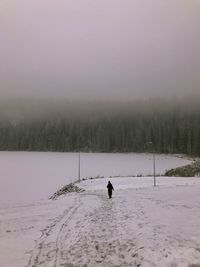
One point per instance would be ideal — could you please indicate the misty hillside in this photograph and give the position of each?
(163, 126)
(113, 51)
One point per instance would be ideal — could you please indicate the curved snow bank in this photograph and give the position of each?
(190, 170)
(70, 188)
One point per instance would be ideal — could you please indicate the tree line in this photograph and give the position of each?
(127, 127)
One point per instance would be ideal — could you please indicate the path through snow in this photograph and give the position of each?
(141, 226)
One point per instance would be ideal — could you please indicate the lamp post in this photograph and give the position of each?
(154, 169)
(79, 151)
(154, 164)
(79, 166)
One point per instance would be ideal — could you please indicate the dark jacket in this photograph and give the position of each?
(110, 186)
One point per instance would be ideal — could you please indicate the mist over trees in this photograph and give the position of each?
(140, 126)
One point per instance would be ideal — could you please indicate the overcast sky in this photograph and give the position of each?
(92, 49)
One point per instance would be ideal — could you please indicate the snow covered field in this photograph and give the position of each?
(141, 225)
(31, 176)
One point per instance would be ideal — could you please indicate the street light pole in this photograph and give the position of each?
(154, 164)
(79, 153)
(154, 169)
(79, 166)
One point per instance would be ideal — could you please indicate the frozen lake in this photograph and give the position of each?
(31, 176)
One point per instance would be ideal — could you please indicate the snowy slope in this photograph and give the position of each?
(141, 225)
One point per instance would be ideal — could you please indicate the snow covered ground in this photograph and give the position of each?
(141, 225)
(31, 176)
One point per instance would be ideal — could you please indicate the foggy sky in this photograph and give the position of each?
(110, 49)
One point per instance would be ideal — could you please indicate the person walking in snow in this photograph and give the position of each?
(110, 189)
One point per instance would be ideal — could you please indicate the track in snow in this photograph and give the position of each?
(86, 237)
(46, 249)
(134, 229)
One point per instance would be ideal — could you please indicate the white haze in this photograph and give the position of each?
(99, 49)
